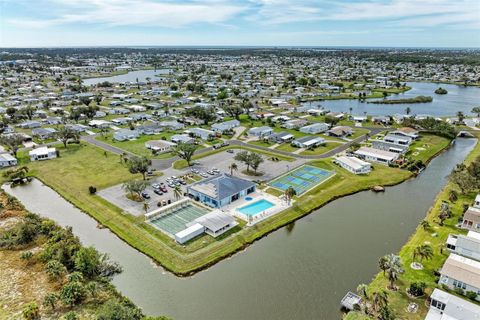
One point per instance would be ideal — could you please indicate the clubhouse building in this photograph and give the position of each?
(221, 190)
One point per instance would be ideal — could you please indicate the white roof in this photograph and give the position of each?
(190, 230)
(41, 150)
(455, 308)
(372, 152)
(7, 157)
(215, 220)
(353, 162)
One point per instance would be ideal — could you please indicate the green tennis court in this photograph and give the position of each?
(301, 179)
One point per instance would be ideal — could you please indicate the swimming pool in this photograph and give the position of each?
(256, 207)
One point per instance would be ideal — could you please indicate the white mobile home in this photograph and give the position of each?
(376, 155)
(354, 165)
(42, 153)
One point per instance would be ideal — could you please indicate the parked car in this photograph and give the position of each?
(145, 195)
(158, 191)
(230, 151)
(163, 189)
(155, 186)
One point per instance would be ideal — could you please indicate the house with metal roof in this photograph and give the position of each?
(314, 128)
(7, 160)
(465, 245)
(389, 146)
(354, 165)
(220, 190)
(376, 155)
(224, 126)
(446, 306)
(125, 134)
(260, 132)
(308, 142)
(203, 134)
(462, 273)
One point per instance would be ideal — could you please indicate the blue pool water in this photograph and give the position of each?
(256, 207)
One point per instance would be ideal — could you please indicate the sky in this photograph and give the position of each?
(381, 23)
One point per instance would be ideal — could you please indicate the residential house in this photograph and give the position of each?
(315, 128)
(389, 146)
(224, 126)
(7, 160)
(44, 133)
(294, 124)
(125, 134)
(281, 137)
(308, 142)
(406, 132)
(122, 120)
(462, 273)
(220, 190)
(465, 245)
(160, 146)
(29, 124)
(99, 123)
(446, 306)
(42, 153)
(201, 133)
(182, 138)
(471, 219)
(150, 128)
(260, 132)
(376, 155)
(340, 131)
(354, 165)
(171, 125)
(398, 139)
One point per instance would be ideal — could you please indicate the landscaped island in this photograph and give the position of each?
(417, 99)
(441, 91)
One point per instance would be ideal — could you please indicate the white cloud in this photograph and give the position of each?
(135, 13)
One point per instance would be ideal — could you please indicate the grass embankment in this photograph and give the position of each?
(435, 236)
(427, 147)
(71, 175)
(417, 99)
(182, 164)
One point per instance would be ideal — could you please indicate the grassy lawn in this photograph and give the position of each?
(436, 236)
(287, 147)
(427, 146)
(137, 146)
(261, 143)
(321, 149)
(357, 132)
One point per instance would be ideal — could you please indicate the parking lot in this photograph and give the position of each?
(220, 161)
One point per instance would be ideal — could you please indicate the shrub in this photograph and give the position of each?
(71, 315)
(459, 291)
(472, 295)
(417, 289)
(92, 190)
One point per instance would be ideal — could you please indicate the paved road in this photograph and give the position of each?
(162, 164)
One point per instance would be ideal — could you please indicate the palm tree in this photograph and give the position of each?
(382, 264)
(408, 110)
(290, 192)
(233, 167)
(393, 267)
(423, 251)
(177, 193)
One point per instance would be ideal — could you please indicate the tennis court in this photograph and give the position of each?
(301, 179)
(176, 220)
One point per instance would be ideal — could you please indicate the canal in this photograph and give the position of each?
(299, 272)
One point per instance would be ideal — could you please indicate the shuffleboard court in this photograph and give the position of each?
(301, 179)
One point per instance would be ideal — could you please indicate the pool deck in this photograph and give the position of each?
(279, 205)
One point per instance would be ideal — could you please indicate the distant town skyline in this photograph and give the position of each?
(382, 23)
